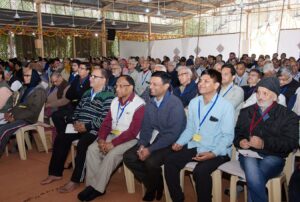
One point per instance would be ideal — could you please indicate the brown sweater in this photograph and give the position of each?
(53, 100)
(31, 108)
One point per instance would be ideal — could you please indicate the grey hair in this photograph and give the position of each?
(268, 67)
(162, 67)
(189, 71)
(285, 71)
(56, 74)
(172, 63)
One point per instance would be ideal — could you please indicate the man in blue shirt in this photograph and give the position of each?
(207, 138)
(164, 120)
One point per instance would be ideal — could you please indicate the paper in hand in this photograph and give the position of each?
(249, 153)
(70, 129)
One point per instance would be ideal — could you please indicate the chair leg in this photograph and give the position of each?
(181, 174)
(167, 193)
(276, 191)
(41, 132)
(245, 193)
(286, 191)
(233, 195)
(193, 182)
(217, 186)
(27, 140)
(21, 144)
(129, 177)
(270, 191)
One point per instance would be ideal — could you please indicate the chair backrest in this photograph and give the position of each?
(289, 166)
(41, 115)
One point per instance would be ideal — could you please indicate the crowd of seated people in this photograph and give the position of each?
(148, 112)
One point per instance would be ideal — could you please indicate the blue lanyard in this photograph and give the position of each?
(205, 116)
(144, 78)
(227, 91)
(92, 94)
(241, 81)
(122, 111)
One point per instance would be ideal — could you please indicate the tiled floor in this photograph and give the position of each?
(20, 182)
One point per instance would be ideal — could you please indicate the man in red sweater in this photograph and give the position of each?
(116, 135)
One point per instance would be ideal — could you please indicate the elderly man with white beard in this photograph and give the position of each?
(270, 130)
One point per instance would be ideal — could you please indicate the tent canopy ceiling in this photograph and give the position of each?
(62, 21)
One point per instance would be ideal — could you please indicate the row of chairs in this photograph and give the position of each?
(236, 174)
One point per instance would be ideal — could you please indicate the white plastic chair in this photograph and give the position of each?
(274, 185)
(189, 167)
(22, 136)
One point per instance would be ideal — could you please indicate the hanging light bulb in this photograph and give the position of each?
(99, 15)
(52, 22)
(147, 10)
(158, 9)
(113, 22)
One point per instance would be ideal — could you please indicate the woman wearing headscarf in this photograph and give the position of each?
(32, 99)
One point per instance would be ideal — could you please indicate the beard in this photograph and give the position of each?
(264, 104)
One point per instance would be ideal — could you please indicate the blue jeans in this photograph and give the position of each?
(258, 172)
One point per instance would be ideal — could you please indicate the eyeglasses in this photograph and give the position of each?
(82, 68)
(179, 75)
(27, 75)
(96, 77)
(121, 86)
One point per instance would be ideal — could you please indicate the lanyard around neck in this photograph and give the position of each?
(205, 116)
(253, 123)
(228, 90)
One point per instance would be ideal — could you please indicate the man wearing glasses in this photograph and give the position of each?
(117, 134)
(79, 85)
(143, 79)
(86, 121)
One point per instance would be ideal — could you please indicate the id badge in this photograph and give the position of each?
(116, 132)
(197, 137)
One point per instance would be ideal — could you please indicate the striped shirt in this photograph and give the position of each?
(92, 109)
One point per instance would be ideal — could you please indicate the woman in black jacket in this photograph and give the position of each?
(270, 130)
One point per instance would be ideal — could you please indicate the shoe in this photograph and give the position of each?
(149, 196)
(93, 194)
(82, 195)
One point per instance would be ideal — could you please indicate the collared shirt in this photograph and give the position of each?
(130, 98)
(235, 95)
(217, 131)
(158, 102)
(241, 81)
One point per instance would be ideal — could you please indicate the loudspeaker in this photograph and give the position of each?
(111, 34)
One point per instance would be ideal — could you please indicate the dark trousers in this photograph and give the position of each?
(149, 171)
(294, 186)
(201, 174)
(61, 147)
(59, 118)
